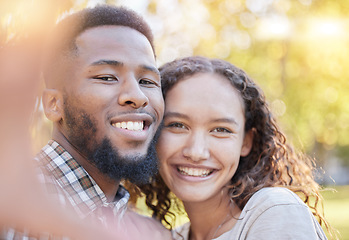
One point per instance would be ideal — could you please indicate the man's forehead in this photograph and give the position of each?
(101, 45)
(120, 33)
(109, 38)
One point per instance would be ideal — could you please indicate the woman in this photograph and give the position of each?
(222, 154)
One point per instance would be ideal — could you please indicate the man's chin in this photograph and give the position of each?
(134, 166)
(137, 149)
(132, 156)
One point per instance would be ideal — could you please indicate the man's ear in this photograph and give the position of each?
(247, 143)
(52, 101)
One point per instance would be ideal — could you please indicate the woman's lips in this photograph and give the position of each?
(194, 172)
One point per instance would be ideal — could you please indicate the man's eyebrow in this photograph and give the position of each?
(107, 62)
(117, 63)
(175, 114)
(151, 68)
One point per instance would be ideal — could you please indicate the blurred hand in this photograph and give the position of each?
(19, 78)
(134, 226)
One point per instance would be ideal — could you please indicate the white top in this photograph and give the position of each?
(271, 213)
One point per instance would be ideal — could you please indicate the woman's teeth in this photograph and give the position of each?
(194, 172)
(132, 126)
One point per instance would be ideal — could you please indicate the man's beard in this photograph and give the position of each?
(136, 169)
(82, 130)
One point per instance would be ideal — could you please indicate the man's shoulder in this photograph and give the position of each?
(44, 166)
(136, 217)
(146, 224)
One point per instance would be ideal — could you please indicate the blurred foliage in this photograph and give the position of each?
(22, 19)
(337, 209)
(26, 22)
(295, 49)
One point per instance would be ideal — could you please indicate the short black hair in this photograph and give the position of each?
(62, 39)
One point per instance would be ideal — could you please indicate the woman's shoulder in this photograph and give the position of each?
(181, 232)
(274, 196)
(276, 213)
(274, 201)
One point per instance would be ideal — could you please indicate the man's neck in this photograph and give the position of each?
(106, 184)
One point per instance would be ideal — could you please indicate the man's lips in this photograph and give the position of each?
(130, 125)
(133, 122)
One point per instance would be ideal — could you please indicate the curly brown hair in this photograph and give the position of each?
(272, 162)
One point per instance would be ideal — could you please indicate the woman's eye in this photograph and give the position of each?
(221, 130)
(176, 125)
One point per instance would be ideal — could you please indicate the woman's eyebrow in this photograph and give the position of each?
(226, 120)
(217, 120)
(175, 114)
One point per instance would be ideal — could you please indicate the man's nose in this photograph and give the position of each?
(196, 148)
(131, 94)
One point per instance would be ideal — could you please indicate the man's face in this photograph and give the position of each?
(112, 93)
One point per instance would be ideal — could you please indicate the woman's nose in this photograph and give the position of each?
(196, 148)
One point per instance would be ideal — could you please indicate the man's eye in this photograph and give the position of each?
(147, 82)
(221, 130)
(107, 78)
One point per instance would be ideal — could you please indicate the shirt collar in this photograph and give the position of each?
(80, 188)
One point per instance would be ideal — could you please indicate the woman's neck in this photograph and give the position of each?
(210, 219)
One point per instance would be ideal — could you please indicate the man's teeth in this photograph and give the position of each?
(132, 126)
(194, 172)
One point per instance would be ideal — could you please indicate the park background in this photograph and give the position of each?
(296, 50)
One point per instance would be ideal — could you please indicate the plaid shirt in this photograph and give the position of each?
(65, 178)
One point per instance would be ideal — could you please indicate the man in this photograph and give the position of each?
(103, 95)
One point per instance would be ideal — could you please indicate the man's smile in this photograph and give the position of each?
(130, 125)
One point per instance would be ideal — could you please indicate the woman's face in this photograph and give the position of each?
(203, 137)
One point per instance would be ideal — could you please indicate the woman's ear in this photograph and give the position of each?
(52, 101)
(247, 143)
